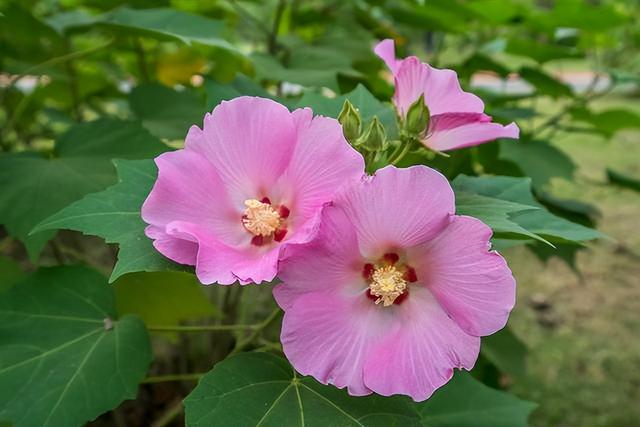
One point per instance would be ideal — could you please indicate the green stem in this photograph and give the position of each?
(396, 150)
(258, 24)
(169, 415)
(257, 331)
(74, 90)
(55, 61)
(141, 59)
(175, 377)
(589, 96)
(202, 328)
(403, 152)
(369, 158)
(272, 42)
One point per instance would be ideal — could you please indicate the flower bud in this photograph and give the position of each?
(350, 120)
(374, 138)
(417, 120)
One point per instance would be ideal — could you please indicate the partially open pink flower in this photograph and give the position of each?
(395, 291)
(248, 184)
(457, 117)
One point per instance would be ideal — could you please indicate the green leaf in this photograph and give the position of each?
(35, 187)
(538, 160)
(262, 389)
(25, 37)
(573, 210)
(498, 11)
(368, 106)
(587, 16)
(538, 221)
(10, 273)
(153, 296)
(73, 19)
(114, 214)
(608, 122)
(493, 212)
(465, 402)
(253, 389)
(310, 66)
(539, 51)
(505, 350)
(241, 86)
(165, 112)
(544, 83)
(162, 23)
(480, 62)
(566, 253)
(623, 180)
(437, 15)
(64, 358)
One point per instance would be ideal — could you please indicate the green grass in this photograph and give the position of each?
(584, 349)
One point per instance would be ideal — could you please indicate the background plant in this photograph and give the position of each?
(91, 90)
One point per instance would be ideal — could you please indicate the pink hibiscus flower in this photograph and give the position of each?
(252, 181)
(395, 291)
(457, 117)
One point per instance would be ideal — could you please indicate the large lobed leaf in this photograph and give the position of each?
(537, 220)
(496, 213)
(64, 358)
(262, 389)
(506, 351)
(162, 23)
(538, 160)
(114, 214)
(153, 297)
(35, 187)
(165, 112)
(465, 402)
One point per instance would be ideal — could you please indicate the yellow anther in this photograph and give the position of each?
(387, 284)
(259, 218)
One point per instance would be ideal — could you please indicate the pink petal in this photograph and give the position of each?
(217, 262)
(322, 162)
(178, 250)
(386, 50)
(188, 189)
(249, 142)
(398, 208)
(474, 285)
(420, 354)
(441, 89)
(330, 262)
(457, 130)
(329, 337)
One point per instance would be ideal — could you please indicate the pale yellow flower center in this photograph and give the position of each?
(387, 284)
(260, 218)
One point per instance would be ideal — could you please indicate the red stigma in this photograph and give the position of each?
(279, 234)
(401, 298)
(371, 296)
(266, 200)
(367, 270)
(284, 211)
(410, 275)
(257, 240)
(391, 258)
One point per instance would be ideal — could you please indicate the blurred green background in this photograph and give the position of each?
(567, 71)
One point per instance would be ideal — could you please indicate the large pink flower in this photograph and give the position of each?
(457, 117)
(251, 182)
(395, 291)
